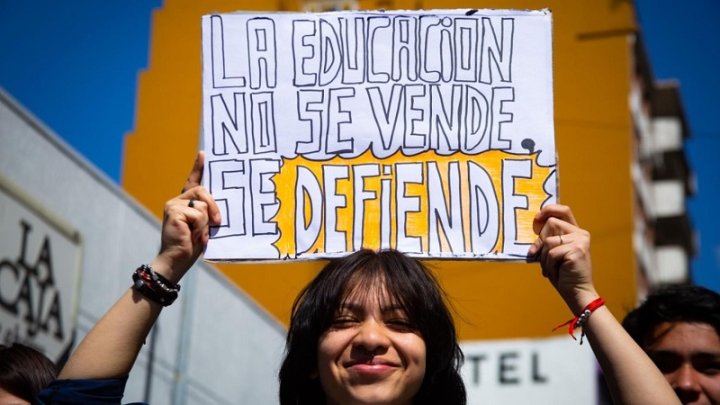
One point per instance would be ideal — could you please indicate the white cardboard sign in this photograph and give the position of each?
(430, 132)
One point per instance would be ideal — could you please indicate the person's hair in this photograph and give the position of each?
(411, 286)
(679, 303)
(24, 371)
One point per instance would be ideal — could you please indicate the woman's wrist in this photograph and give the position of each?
(578, 300)
(162, 267)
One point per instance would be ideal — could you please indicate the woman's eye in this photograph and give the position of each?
(343, 321)
(401, 324)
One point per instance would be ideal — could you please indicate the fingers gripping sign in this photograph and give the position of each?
(186, 223)
(563, 250)
(195, 177)
(199, 194)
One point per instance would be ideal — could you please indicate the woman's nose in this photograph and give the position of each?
(372, 336)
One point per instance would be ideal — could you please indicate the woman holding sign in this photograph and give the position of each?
(371, 328)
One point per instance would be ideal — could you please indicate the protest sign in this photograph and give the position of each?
(430, 132)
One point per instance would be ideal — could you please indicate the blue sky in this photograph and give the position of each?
(682, 42)
(75, 64)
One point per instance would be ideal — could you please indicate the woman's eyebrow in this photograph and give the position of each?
(392, 308)
(356, 306)
(352, 306)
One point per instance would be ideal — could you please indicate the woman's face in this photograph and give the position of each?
(371, 354)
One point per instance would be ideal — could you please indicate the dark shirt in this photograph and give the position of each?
(83, 392)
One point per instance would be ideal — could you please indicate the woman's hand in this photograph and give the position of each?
(563, 250)
(186, 226)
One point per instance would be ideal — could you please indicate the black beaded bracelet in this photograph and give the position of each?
(149, 274)
(154, 286)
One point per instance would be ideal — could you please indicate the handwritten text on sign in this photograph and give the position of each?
(429, 132)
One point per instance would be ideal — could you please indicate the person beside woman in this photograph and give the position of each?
(372, 327)
(24, 371)
(678, 326)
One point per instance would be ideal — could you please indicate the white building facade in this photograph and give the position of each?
(74, 210)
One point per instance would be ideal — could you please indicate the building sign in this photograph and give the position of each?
(39, 269)
(555, 371)
(430, 132)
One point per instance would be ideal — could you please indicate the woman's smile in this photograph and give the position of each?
(372, 368)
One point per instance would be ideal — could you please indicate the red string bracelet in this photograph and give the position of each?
(580, 320)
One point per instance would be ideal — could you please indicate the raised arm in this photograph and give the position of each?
(109, 350)
(563, 250)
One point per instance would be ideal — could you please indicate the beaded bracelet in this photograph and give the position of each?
(154, 286)
(580, 320)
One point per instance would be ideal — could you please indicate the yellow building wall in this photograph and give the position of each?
(592, 75)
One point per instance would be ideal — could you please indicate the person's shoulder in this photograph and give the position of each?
(80, 392)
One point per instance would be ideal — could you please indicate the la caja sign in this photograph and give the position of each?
(39, 268)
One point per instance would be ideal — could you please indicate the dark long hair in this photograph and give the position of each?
(24, 371)
(411, 286)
